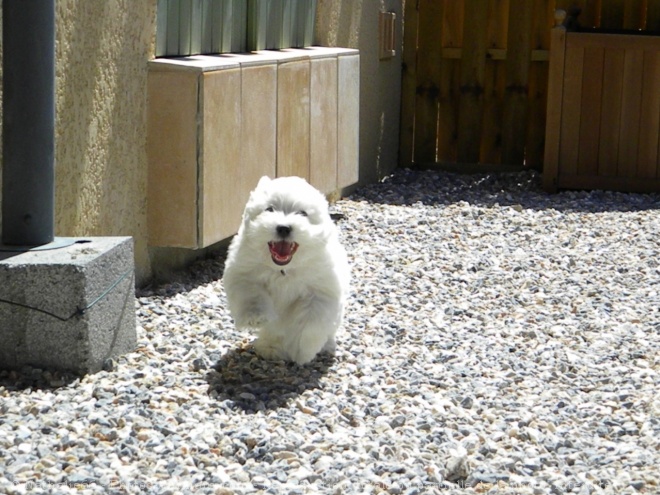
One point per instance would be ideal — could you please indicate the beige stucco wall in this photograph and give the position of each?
(354, 24)
(102, 48)
(101, 168)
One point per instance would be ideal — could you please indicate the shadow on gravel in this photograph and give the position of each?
(515, 189)
(201, 272)
(35, 379)
(253, 384)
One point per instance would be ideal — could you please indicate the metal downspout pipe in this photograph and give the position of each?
(28, 122)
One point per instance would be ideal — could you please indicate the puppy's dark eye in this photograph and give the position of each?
(270, 209)
(303, 213)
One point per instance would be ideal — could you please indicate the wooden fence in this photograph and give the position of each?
(475, 75)
(603, 119)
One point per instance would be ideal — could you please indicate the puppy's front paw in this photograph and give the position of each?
(269, 350)
(253, 320)
(303, 356)
(255, 316)
(309, 344)
(330, 346)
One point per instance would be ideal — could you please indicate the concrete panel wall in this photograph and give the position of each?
(216, 124)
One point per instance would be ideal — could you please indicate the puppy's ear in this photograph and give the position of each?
(263, 182)
(255, 203)
(259, 194)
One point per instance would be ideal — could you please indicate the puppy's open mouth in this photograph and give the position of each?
(282, 251)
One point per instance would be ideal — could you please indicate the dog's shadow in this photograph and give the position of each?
(244, 380)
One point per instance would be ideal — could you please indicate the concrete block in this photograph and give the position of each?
(69, 308)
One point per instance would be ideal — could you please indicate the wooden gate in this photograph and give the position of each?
(475, 75)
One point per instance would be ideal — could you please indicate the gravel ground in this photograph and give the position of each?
(497, 340)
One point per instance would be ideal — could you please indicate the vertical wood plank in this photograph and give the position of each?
(571, 110)
(610, 121)
(490, 144)
(653, 15)
(452, 23)
(554, 107)
(592, 86)
(649, 129)
(448, 104)
(429, 70)
(633, 14)
(293, 107)
(631, 102)
(519, 47)
(473, 66)
(536, 122)
(498, 23)
(542, 22)
(449, 76)
(591, 13)
(494, 83)
(612, 14)
(597, 6)
(408, 85)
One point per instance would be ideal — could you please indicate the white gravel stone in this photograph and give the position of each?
(497, 340)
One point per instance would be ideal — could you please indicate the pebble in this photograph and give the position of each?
(496, 339)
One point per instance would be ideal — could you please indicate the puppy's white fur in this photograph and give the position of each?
(286, 273)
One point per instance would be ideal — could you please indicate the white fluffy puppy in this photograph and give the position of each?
(286, 273)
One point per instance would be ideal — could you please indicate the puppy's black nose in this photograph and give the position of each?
(283, 230)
